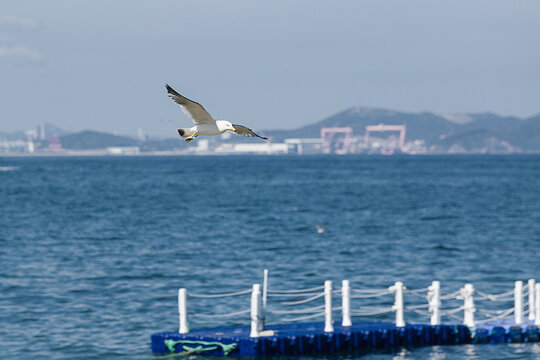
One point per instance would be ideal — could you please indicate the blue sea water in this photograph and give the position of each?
(93, 250)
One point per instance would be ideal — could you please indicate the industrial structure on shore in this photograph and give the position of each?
(377, 139)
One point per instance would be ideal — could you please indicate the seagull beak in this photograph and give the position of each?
(233, 129)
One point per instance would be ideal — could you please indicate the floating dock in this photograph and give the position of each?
(309, 338)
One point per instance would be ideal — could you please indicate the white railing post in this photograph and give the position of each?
(328, 321)
(518, 302)
(398, 304)
(532, 304)
(468, 305)
(183, 327)
(264, 295)
(434, 298)
(255, 310)
(346, 303)
(537, 304)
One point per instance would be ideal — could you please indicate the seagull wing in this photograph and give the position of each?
(244, 131)
(193, 109)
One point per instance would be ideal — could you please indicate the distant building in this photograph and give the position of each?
(141, 135)
(42, 131)
(333, 144)
(304, 146)
(247, 148)
(15, 146)
(31, 134)
(385, 146)
(123, 150)
(54, 143)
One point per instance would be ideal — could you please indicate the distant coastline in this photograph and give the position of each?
(184, 154)
(362, 131)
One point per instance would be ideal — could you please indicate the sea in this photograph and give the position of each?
(93, 250)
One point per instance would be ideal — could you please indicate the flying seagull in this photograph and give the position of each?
(204, 122)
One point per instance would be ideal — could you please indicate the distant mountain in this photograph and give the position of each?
(479, 133)
(16, 135)
(493, 134)
(527, 135)
(91, 140)
(425, 125)
(490, 121)
(51, 129)
(475, 141)
(88, 140)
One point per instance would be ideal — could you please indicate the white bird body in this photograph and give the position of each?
(219, 127)
(204, 122)
(320, 228)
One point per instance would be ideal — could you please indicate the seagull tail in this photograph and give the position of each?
(184, 132)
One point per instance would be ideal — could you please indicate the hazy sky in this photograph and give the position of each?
(276, 64)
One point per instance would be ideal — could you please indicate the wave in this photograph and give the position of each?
(440, 217)
(9, 168)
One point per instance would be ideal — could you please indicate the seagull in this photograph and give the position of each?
(204, 122)
(320, 228)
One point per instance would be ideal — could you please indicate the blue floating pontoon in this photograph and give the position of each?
(309, 338)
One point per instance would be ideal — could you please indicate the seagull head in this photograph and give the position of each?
(225, 126)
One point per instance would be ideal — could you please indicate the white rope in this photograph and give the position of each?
(418, 295)
(373, 308)
(381, 293)
(293, 295)
(369, 290)
(371, 311)
(451, 311)
(455, 317)
(303, 317)
(296, 291)
(495, 297)
(223, 315)
(303, 301)
(299, 311)
(503, 315)
(415, 291)
(426, 313)
(492, 312)
(451, 295)
(219, 295)
(412, 307)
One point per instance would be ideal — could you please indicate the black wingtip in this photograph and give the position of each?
(170, 90)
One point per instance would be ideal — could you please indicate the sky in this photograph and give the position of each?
(102, 65)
